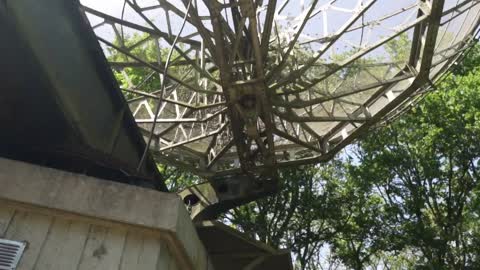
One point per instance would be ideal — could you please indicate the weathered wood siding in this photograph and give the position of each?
(61, 243)
(73, 221)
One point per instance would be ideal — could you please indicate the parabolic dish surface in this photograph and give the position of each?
(254, 85)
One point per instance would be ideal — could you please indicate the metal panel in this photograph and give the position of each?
(10, 253)
(61, 106)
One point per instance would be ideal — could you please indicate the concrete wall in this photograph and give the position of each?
(72, 221)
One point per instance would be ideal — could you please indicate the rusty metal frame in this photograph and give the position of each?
(247, 99)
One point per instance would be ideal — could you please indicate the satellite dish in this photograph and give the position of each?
(252, 86)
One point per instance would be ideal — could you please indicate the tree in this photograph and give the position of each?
(361, 224)
(425, 168)
(297, 217)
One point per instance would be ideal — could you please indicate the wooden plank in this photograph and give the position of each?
(140, 252)
(52, 244)
(131, 251)
(103, 249)
(173, 265)
(190, 241)
(6, 216)
(150, 252)
(164, 257)
(33, 228)
(64, 245)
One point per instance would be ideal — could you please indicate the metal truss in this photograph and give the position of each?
(257, 85)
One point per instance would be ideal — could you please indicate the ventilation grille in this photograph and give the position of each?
(10, 253)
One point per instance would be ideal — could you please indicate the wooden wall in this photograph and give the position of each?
(61, 243)
(56, 242)
(74, 221)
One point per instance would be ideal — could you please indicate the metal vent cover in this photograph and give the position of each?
(10, 253)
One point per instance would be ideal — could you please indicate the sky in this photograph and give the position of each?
(329, 19)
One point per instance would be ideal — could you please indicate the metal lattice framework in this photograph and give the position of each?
(254, 85)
